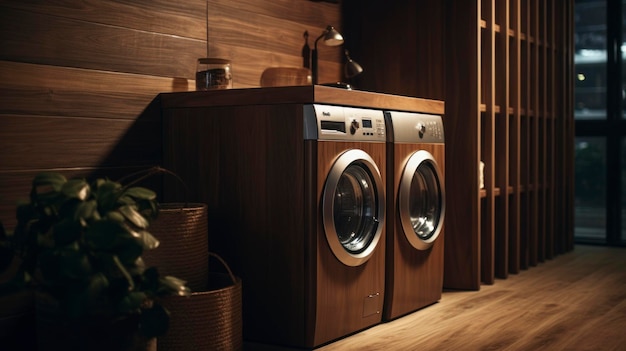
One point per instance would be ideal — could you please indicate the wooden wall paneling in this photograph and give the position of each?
(515, 135)
(76, 142)
(97, 66)
(525, 135)
(35, 89)
(305, 12)
(401, 48)
(552, 135)
(159, 16)
(534, 133)
(256, 35)
(541, 132)
(487, 150)
(549, 137)
(502, 140)
(559, 72)
(546, 154)
(463, 81)
(45, 39)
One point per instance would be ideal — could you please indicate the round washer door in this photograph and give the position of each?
(353, 207)
(421, 200)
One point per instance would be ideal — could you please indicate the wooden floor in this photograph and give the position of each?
(576, 301)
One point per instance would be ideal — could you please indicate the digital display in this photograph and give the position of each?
(367, 123)
(332, 125)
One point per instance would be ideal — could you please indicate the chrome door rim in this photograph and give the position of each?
(332, 181)
(404, 191)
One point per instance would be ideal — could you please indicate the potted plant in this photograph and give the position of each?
(79, 246)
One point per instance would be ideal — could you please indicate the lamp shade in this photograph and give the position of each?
(332, 37)
(352, 68)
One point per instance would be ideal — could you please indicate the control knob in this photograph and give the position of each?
(421, 129)
(354, 125)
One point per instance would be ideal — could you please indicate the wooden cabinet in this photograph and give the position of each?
(509, 105)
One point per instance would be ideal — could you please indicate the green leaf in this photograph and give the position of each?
(175, 286)
(107, 194)
(128, 250)
(116, 216)
(124, 272)
(51, 179)
(87, 210)
(98, 283)
(74, 264)
(76, 189)
(140, 193)
(46, 188)
(66, 232)
(105, 234)
(133, 216)
(132, 302)
(147, 240)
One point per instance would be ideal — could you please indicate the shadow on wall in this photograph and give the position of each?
(139, 149)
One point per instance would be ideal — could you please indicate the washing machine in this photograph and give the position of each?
(416, 210)
(349, 144)
(297, 207)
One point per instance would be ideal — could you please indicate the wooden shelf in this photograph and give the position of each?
(525, 209)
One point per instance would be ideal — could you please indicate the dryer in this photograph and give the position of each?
(416, 210)
(296, 196)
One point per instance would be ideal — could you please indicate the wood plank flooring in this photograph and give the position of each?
(576, 301)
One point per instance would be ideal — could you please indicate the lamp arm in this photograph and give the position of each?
(314, 58)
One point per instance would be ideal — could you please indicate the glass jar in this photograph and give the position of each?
(213, 73)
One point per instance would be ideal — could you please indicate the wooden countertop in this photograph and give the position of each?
(300, 95)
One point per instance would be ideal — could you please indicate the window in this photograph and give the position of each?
(600, 101)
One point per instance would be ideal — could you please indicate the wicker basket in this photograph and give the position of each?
(207, 320)
(182, 230)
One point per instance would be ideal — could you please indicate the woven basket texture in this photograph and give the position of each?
(207, 320)
(182, 230)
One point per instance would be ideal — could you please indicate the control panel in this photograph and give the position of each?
(329, 122)
(410, 127)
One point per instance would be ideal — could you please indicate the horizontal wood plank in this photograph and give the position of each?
(42, 142)
(49, 90)
(307, 12)
(158, 16)
(45, 39)
(257, 40)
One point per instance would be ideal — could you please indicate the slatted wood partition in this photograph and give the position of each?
(519, 124)
(78, 78)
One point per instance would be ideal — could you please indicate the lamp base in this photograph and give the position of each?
(340, 85)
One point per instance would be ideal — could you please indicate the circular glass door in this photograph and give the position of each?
(421, 200)
(353, 207)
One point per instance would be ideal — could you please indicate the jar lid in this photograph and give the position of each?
(210, 60)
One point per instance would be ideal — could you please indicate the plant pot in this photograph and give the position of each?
(206, 320)
(56, 331)
(182, 230)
